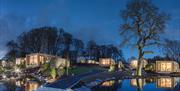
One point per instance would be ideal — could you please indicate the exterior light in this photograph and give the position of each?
(17, 70)
(4, 76)
(3, 63)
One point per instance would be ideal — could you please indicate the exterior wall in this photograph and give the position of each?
(167, 66)
(85, 60)
(176, 67)
(106, 62)
(91, 61)
(81, 59)
(32, 60)
(36, 59)
(134, 64)
(20, 61)
(62, 62)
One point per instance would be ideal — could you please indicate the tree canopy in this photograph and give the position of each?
(56, 41)
(142, 25)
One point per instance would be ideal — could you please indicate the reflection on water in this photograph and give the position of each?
(167, 82)
(31, 85)
(148, 84)
(110, 85)
(136, 82)
(19, 85)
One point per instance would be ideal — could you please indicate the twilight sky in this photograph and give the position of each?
(97, 20)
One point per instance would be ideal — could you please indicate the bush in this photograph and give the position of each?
(112, 68)
(149, 67)
(1, 69)
(53, 73)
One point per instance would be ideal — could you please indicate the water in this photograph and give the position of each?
(148, 84)
(25, 84)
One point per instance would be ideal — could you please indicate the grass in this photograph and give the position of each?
(83, 69)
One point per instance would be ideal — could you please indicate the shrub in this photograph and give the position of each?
(53, 73)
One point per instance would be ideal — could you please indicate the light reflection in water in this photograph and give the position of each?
(108, 83)
(148, 84)
(31, 85)
(167, 82)
(135, 82)
(20, 85)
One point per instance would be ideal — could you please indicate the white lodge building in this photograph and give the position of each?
(37, 59)
(167, 67)
(106, 62)
(134, 64)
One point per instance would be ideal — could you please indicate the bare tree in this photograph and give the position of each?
(143, 24)
(50, 40)
(172, 49)
(92, 49)
(12, 50)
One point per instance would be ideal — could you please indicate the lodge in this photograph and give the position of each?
(166, 67)
(106, 62)
(134, 64)
(20, 61)
(37, 59)
(86, 60)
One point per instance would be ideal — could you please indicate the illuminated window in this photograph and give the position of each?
(105, 62)
(33, 60)
(166, 67)
(41, 59)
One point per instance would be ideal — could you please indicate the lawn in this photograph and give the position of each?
(83, 69)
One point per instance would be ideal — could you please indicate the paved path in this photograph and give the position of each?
(68, 82)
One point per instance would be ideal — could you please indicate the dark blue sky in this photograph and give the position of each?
(97, 20)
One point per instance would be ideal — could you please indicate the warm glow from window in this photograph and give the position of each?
(31, 86)
(108, 83)
(34, 59)
(165, 66)
(165, 82)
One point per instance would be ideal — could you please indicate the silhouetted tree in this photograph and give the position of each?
(48, 40)
(67, 40)
(78, 47)
(143, 24)
(40, 40)
(92, 49)
(172, 49)
(12, 50)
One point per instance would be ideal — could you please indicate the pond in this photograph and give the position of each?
(145, 84)
(25, 84)
(148, 84)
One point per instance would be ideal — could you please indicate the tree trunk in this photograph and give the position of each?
(140, 59)
(139, 69)
(139, 84)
